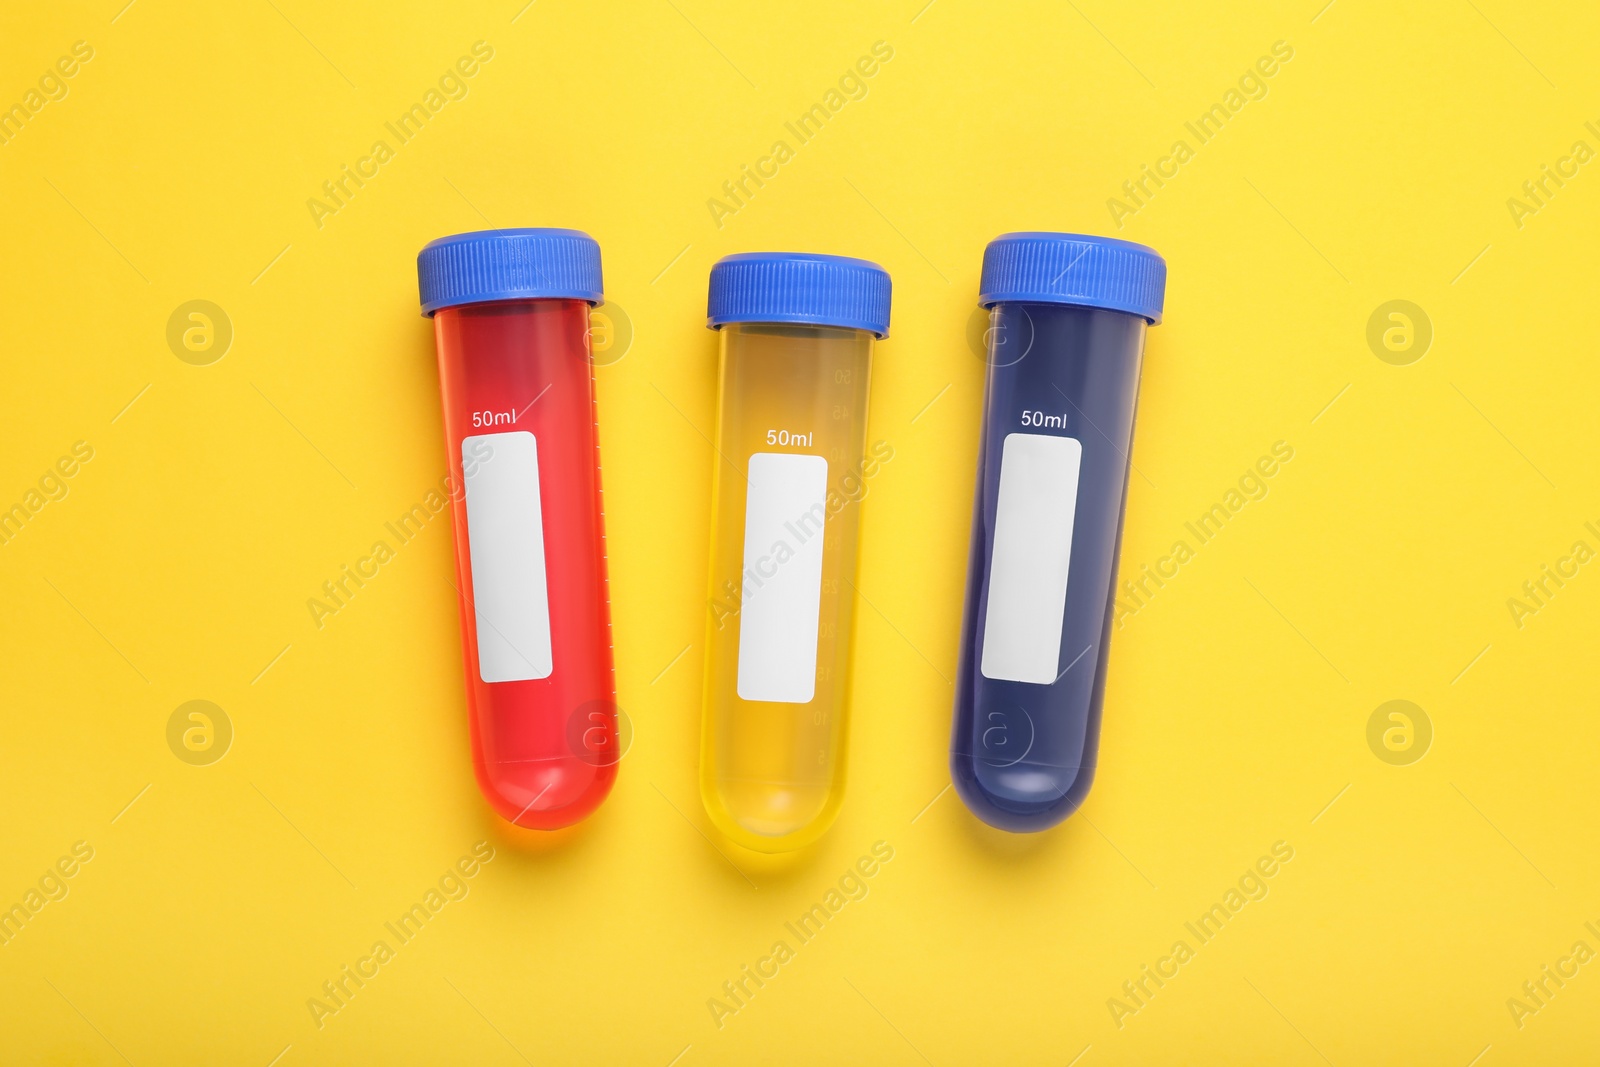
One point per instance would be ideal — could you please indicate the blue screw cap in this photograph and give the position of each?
(521, 264)
(1074, 268)
(799, 287)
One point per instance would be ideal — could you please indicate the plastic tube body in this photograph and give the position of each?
(791, 427)
(520, 433)
(1059, 400)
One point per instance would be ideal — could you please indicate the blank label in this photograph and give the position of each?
(1032, 553)
(784, 516)
(505, 539)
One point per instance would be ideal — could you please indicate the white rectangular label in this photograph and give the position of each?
(784, 516)
(1032, 553)
(505, 541)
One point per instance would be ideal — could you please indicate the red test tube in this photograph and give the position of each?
(510, 310)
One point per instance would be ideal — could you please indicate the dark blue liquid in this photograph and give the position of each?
(1022, 755)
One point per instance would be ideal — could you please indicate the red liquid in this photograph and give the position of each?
(545, 750)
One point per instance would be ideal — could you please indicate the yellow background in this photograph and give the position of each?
(1379, 566)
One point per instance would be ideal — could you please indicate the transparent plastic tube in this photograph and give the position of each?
(791, 426)
(519, 420)
(790, 438)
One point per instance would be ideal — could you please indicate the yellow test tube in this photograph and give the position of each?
(795, 337)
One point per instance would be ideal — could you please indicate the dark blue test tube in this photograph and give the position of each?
(1066, 336)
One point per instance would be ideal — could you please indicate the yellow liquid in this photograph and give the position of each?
(772, 774)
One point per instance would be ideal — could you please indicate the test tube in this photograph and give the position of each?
(1068, 315)
(510, 315)
(795, 335)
